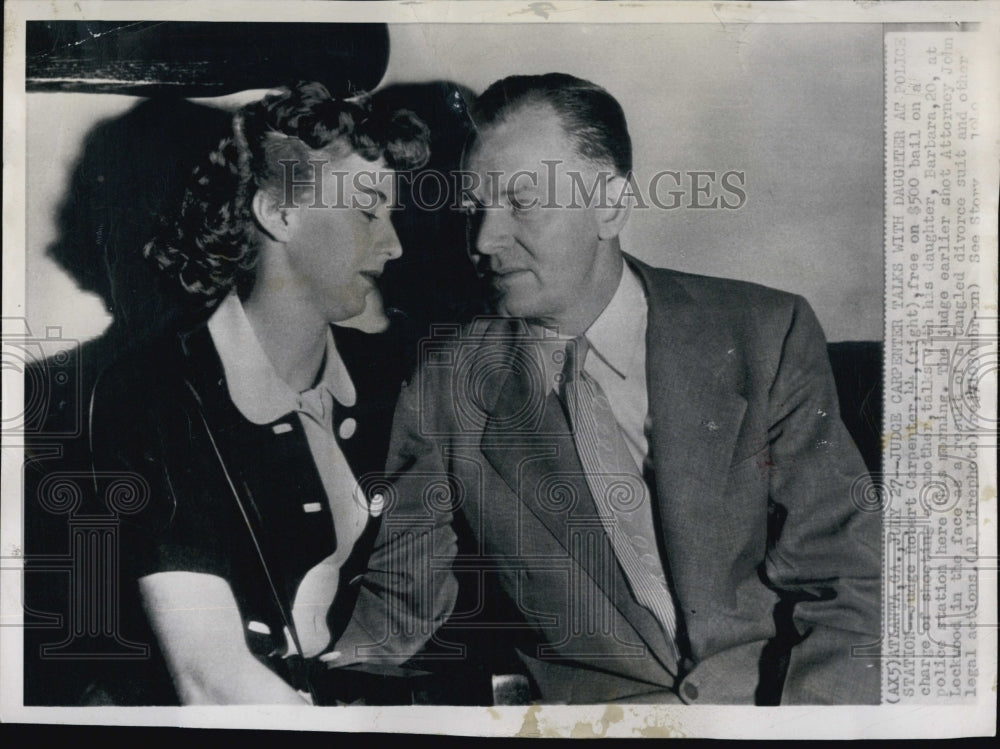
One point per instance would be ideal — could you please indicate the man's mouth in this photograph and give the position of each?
(507, 276)
(501, 272)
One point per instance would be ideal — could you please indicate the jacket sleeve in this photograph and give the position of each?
(409, 589)
(140, 443)
(825, 555)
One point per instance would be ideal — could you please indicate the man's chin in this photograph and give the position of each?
(507, 304)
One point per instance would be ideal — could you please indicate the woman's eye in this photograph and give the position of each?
(370, 215)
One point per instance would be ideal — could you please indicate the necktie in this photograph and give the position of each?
(621, 495)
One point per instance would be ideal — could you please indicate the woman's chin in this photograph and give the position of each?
(372, 319)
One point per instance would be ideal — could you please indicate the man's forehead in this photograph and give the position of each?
(524, 139)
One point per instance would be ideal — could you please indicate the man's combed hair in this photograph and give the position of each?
(210, 244)
(591, 117)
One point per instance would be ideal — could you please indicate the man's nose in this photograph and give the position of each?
(494, 231)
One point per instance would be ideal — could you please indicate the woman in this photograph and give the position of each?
(247, 429)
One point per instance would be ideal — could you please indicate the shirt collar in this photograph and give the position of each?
(257, 391)
(618, 333)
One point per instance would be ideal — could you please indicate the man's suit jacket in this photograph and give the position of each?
(775, 570)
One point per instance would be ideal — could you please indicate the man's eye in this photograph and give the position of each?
(370, 215)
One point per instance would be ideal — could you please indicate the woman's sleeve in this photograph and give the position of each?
(145, 475)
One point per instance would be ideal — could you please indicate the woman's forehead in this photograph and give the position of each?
(355, 162)
(355, 174)
(352, 169)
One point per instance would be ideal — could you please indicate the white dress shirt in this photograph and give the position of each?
(617, 360)
(618, 338)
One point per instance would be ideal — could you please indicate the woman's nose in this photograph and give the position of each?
(389, 243)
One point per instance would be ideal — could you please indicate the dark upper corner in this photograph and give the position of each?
(192, 59)
(131, 170)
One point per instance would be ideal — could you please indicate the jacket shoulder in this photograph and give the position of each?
(140, 394)
(159, 360)
(745, 325)
(727, 293)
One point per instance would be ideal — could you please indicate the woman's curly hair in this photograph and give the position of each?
(210, 245)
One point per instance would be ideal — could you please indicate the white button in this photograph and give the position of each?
(377, 503)
(282, 428)
(312, 507)
(347, 428)
(259, 627)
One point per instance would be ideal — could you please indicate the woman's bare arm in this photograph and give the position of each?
(199, 628)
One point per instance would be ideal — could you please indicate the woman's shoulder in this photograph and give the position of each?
(143, 422)
(140, 398)
(142, 370)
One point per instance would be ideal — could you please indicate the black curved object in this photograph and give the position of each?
(190, 59)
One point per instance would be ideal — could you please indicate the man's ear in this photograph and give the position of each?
(276, 220)
(612, 216)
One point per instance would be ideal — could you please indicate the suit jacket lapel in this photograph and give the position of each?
(543, 470)
(695, 411)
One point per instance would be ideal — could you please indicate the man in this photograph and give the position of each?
(648, 463)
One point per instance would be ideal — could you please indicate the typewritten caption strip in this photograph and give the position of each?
(941, 328)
